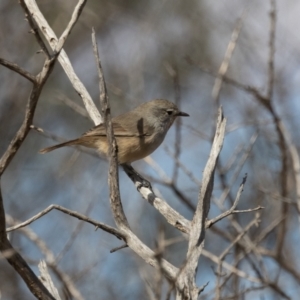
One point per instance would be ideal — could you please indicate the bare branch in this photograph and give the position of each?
(186, 278)
(224, 214)
(34, 29)
(17, 69)
(255, 222)
(271, 50)
(64, 61)
(33, 283)
(75, 16)
(18, 263)
(171, 215)
(113, 178)
(47, 280)
(118, 248)
(241, 163)
(295, 161)
(50, 258)
(231, 210)
(246, 88)
(225, 63)
(225, 252)
(72, 104)
(72, 213)
(182, 166)
(29, 113)
(229, 267)
(173, 71)
(75, 232)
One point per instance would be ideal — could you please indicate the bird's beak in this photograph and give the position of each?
(182, 114)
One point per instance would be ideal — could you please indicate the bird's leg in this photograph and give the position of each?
(136, 177)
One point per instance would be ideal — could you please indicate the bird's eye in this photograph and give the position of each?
(169, 111)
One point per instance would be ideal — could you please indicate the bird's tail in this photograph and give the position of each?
(68, 143)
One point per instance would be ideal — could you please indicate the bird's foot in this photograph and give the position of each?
(144, 183)
(136, 177)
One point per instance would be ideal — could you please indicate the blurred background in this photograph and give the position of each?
(157, 49)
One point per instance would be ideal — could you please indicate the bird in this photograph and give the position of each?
(138, 132)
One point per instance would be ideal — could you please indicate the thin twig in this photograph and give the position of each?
(182, 166)
(246, 88)
(118, 248)
(255, 221)
(225, 63)
(113, 177)
(241, 163)
(75, 16)
(72, 213)
(229, 267)
(271, 73)
(173, 71)
(74, 234)
(230, 211)
(17, 69)
(70, 103)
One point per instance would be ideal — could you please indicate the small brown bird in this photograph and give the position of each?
(138, 132)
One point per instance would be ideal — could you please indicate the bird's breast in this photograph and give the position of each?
(134, 148)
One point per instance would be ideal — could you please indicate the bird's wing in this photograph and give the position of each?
(119, 130)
